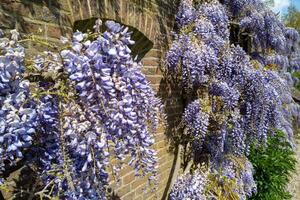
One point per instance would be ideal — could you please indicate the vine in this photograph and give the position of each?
(75, 109)
(234, 98)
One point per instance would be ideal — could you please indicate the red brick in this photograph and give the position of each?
(124, 190)
(128, 178)
(129, 196)
(154, 79)
(139, 181)
(151, 61)
(125, 170)
(140, 190)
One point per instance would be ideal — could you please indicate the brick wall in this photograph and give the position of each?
(49, 19)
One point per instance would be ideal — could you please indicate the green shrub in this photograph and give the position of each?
(273, 166)
(297, 75)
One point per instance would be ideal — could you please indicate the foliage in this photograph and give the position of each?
(234, 97)
(297, 75)
(292, 18)
(273, 166)
(90, 103)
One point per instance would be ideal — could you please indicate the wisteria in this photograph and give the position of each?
(196, 62)
(90, 103)
(216, 14)
(189, 186)
(229, 95)
(241, 173)
(80, 111)
(234, 98)
(196, 121)
(186, 13)
(220, 178)
(112, 88)
(18, 116)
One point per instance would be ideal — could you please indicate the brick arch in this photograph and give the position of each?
(128, 12)
(154, 18)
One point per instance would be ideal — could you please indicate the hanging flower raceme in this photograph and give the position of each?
(227, 180)
(216, 14)
(87, 152)
(295, 61)
(266, 29)
(174, 55)
(198, 62)
(186, 13)
(239, 7)
(94, 103)
(240, 172)
(229, 95)
(70, 158)
(87, 104)
(113, 90)
(190, 186)
(17, 110)
(197, 122)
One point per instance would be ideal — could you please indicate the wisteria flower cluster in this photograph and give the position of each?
(234, 98)
(235, 169)
(197, 122)
(216, 182)
(90, 103)
(18, 117)
(186, 13)
(107, 79)
(271, 39)
(188, 186)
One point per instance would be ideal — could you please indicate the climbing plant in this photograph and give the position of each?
(236, 95)
(67, 112)
(70, 110)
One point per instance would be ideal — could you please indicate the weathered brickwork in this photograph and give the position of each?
(49, 19)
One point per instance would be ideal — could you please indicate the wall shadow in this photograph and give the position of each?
(26, 184)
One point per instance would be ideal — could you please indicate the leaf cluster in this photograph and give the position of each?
(297, 75)
(273, 165)
(292, 18)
